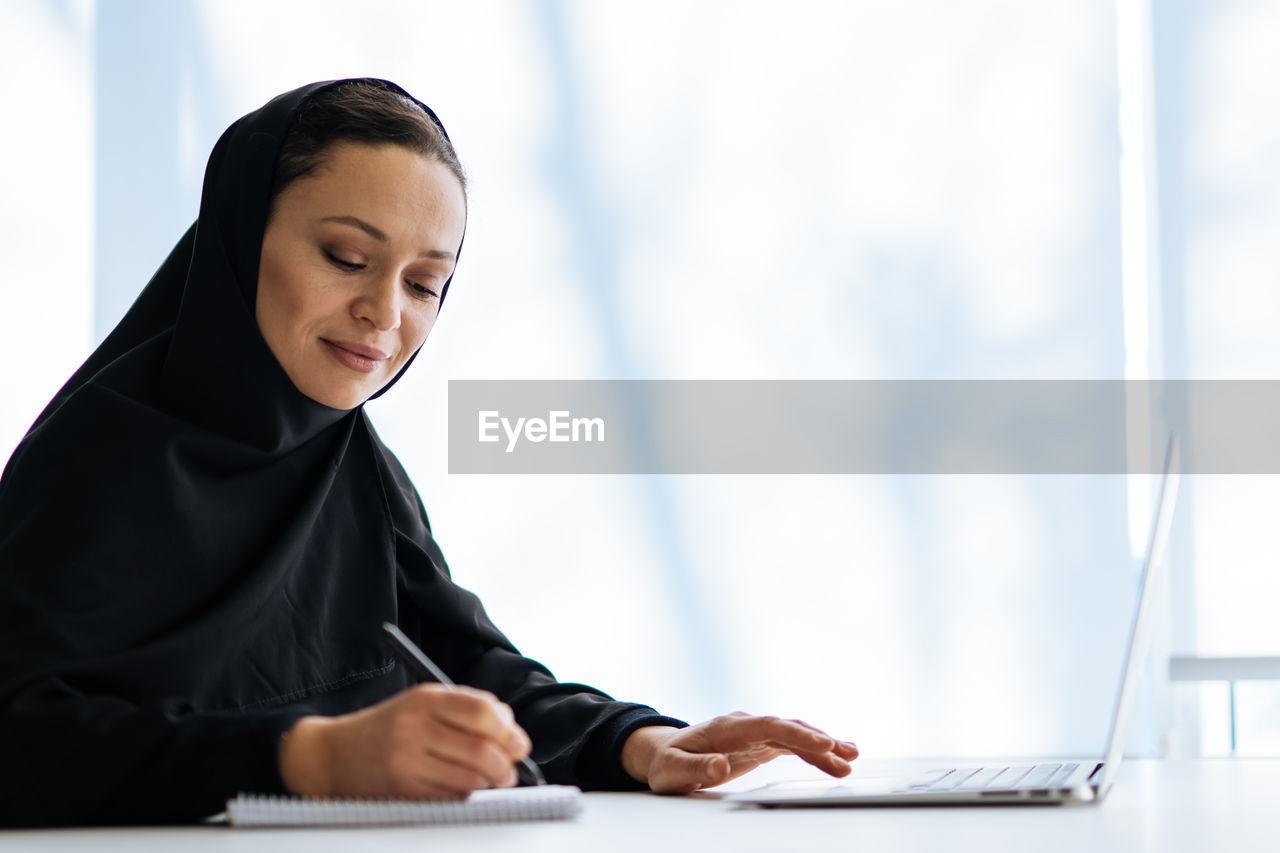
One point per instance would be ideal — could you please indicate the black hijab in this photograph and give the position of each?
(181, 520)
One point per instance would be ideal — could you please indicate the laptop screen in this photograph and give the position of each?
(1139, 635)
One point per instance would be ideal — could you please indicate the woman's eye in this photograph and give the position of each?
(421, 290)
(341, 264)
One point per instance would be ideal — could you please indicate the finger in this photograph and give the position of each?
(791, 735)
(430, 792)
(504, 710)
(479, 713)
(828, 762)
(422, 788)
(421, 775)
(433, 771)
(681, 772)
(833, 761)
(846, 750)
(473, 752)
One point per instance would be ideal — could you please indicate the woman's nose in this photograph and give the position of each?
(379, 304)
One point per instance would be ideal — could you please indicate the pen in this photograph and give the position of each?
(416, 659)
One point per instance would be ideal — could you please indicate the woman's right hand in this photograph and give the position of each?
(426, 742)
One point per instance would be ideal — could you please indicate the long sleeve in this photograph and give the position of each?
(72, 759)
(577, 731)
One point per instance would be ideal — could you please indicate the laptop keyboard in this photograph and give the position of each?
(1011, 778)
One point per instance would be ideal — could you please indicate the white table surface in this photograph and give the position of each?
(1229, 805)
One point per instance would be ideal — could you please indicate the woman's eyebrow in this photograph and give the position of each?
(378, 235)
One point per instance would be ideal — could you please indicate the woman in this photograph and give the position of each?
(202, 534)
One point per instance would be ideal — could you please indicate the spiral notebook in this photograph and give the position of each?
(542, 802)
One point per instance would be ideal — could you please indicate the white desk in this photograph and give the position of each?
(1165, 806)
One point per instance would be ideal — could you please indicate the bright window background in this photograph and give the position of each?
(1220, 217)
(46, 206)
(919, 189)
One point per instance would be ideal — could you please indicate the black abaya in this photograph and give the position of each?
(193, 555)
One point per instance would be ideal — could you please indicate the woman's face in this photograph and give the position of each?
(353, 262)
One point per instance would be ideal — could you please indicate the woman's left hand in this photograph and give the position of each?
(680, 761)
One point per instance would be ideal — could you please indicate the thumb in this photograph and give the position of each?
(714, 770)
(685, 772)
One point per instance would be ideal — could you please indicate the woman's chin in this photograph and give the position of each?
(345, 398)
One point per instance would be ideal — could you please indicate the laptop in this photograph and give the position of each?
(1002, 783)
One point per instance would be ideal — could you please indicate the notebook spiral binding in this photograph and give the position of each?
(548, 802)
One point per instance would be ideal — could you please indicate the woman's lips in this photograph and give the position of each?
(356, 356)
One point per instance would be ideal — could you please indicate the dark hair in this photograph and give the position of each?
(358, 111)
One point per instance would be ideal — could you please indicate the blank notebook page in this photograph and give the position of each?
(541, 802)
